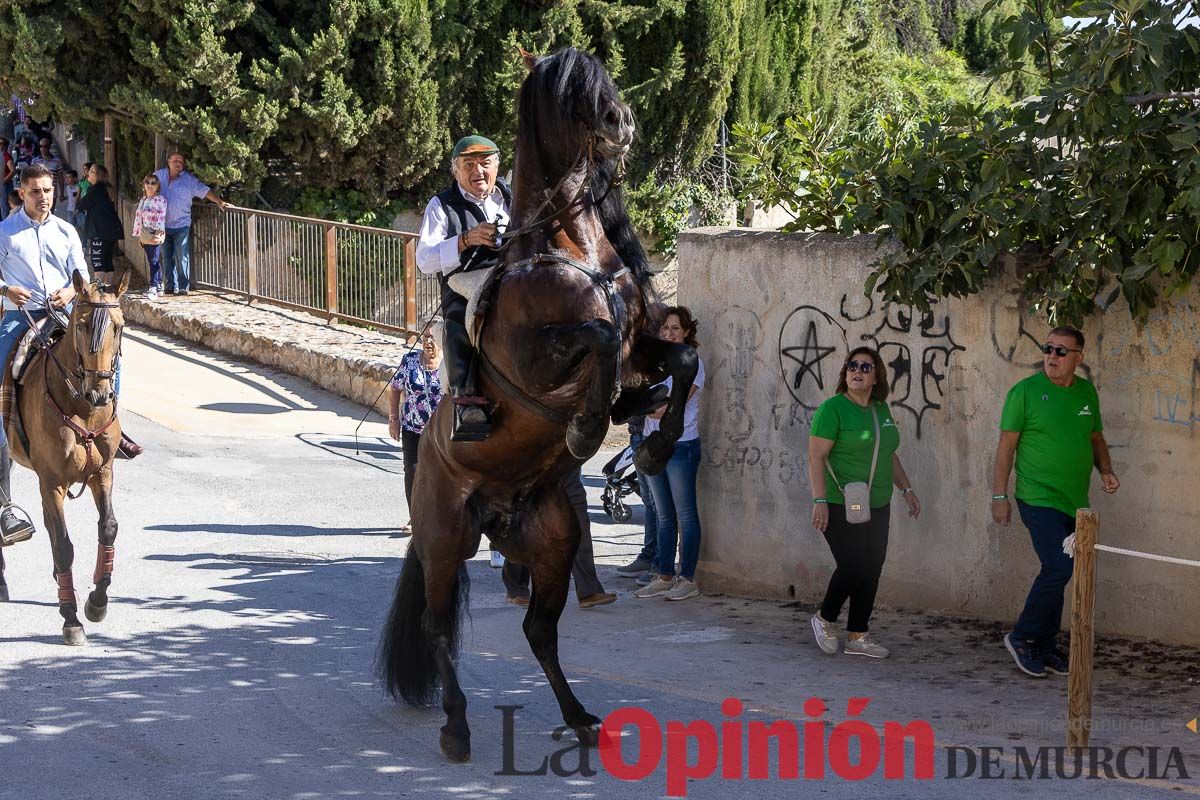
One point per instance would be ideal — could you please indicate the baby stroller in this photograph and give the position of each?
(620, 481)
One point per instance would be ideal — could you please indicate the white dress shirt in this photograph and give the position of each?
(39, 257)
(435, 252)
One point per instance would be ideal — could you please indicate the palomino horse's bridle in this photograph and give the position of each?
(101, 319)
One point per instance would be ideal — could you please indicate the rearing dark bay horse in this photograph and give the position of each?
(563, 337)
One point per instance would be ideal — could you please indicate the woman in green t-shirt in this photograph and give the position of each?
(841, 448)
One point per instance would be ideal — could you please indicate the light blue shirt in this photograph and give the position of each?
(180, 193)
(39, 257)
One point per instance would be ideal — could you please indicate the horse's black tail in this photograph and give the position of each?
(405, 662)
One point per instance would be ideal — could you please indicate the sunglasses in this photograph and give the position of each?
(865, 367)
(1057, 349)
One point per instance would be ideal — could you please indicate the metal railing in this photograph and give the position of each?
(336, 270)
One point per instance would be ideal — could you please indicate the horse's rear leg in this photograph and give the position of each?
(562, 348)
(96, 606)
(446, 592)
(64, 557)
(554, 537)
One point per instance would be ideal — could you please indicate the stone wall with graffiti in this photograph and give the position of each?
(778, 314)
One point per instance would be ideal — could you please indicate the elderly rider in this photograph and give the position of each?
(460, 229)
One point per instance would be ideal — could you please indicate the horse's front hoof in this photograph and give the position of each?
(591, 735)
(652, 457)
(584, 438)
(74, 636)
(456, 748)
(94, 613)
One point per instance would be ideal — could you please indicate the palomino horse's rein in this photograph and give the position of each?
(100, 321)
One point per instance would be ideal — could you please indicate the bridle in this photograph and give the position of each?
(606, 281)
(586, 156)
(101, 319)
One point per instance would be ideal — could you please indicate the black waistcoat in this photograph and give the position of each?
(462, 215)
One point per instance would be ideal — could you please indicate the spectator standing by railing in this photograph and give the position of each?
(103, 227)
(71, 193)
(149, 226)
(180, 187)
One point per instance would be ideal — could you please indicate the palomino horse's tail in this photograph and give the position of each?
(405, 663)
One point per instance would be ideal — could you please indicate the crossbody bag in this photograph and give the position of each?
(858, 494)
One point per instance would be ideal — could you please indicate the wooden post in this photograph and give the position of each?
(1079, 681)
(110, 149)
(331, 281)
(251, 256)
(410, 285)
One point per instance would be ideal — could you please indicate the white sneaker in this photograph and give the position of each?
(656, 587)
(825, 633)
(497, 559)
(866, 647)
(683, 589)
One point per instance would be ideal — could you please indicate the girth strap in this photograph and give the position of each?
(529, 402)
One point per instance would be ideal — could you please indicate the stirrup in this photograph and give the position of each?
(21, 533)
(472, 419)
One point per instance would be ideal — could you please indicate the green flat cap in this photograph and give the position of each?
(474, 146)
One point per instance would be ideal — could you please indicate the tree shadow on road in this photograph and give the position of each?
(258, 684)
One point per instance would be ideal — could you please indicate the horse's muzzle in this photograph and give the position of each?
(97, 398)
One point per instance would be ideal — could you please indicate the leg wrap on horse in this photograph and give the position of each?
(66, 589)
(105, 555)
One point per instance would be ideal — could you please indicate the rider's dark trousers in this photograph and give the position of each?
(459, 353)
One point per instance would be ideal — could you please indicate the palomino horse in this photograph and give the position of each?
(563, 336)
(68, 407)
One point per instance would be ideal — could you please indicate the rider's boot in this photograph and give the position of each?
(128, 448)
(13, 529)
(472, 421)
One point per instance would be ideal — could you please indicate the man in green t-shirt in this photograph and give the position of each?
(1051, 425)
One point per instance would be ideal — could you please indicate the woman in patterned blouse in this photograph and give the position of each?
(417, 388)
(149, 226)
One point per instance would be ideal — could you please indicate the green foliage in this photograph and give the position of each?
(1092, 189)
(346, 205)
(661, 211)
(369, 95)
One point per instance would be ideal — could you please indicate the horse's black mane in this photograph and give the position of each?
(577, 83)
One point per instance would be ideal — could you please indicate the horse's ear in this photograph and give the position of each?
(77, 281)
(529, 58)
(124, 284)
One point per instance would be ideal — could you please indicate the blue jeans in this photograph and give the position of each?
(177, 258)
(153, 252)
(674, 491)
(650, 524)
(12, 328)
(1048, 527)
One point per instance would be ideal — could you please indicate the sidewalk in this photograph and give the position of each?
(352, 362)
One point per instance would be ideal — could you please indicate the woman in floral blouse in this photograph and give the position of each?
(418, 388)
(149, 226)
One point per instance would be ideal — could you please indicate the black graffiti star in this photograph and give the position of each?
(809, 358)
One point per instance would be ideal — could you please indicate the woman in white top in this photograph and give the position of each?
(674, 489)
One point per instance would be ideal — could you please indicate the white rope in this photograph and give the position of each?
(1069, 549)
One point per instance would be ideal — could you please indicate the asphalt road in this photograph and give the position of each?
(255, 562)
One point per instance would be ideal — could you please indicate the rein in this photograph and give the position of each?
(604, 280)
